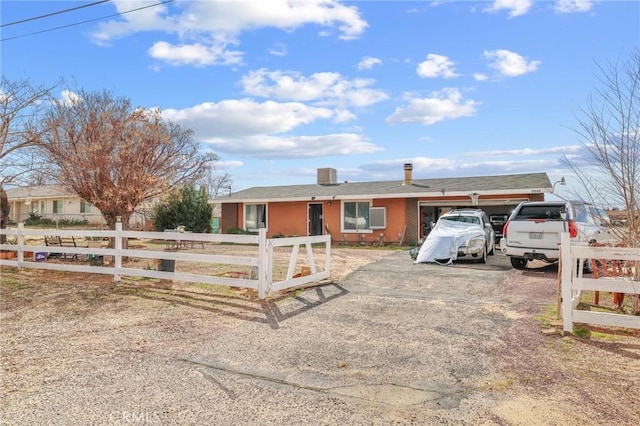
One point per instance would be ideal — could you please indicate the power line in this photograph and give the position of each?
(87, 21)
(53, 13)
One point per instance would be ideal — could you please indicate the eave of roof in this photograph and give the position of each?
(41, 191)
(482, 185)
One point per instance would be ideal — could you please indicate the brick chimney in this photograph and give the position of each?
(408, 174)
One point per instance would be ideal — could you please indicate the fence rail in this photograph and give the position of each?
(261, 265)
(574, 282)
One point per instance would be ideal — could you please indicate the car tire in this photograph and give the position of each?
(483, 258)
(518, 262)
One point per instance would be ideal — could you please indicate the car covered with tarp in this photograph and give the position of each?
(458, 233)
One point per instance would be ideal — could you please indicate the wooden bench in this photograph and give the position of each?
(57, 241)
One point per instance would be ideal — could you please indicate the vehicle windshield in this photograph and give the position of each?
(465, 219)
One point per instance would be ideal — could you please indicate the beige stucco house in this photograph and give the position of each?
(57, 203)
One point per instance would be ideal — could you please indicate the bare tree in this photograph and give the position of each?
(115, 156)
(610, 127)
(217, 184)
(20, 105)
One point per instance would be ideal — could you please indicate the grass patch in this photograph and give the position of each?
(582, 332)
(503, 384)
(548, 315)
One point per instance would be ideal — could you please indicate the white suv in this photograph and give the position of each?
(533, 229)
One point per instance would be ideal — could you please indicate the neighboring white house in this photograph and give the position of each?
(57, 203)
(51, 201)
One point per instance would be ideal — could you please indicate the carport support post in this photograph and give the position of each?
(117, 258)
(262, 263)
(565, 275)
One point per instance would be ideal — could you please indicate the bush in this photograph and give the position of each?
(188, 207)
(240, 231)
(35, 219)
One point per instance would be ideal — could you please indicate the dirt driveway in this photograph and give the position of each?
(391, 343)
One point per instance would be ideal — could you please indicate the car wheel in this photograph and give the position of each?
(518, 262)
(483, 258)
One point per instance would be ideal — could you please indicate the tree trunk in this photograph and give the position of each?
(5, 208)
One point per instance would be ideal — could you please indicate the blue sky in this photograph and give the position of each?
(281, 88)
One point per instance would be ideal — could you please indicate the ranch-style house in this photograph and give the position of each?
(383, 212)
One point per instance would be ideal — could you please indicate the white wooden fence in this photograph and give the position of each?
(262, 262)
(574, 282)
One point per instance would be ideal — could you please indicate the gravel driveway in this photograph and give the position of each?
(392, 343)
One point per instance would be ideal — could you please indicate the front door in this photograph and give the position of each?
(315, 219)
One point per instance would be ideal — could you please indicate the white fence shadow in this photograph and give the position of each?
(574, 282)
(261, 264)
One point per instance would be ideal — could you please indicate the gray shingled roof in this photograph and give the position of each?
(42, 191)
(501, 184)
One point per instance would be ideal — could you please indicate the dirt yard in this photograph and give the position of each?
(52, 322)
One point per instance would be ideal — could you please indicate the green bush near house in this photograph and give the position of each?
(35, 219)
(240, 231)
(188, 207)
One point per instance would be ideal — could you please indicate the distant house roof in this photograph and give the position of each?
(482, 185)
(40, 191)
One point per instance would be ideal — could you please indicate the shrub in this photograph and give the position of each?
(188, 207)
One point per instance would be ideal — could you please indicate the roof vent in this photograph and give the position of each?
(327, 176)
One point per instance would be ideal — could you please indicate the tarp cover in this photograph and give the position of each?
(442, 243)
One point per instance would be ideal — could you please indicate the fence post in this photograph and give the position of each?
(327, 261)
(20, 244)
(567, 294)
(262, 263)
(117, 257)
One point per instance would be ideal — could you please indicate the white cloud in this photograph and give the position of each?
(197, 54)
(526, 151)
(436, 66)
(226, 164)
(572, 6)
(515, 7)
(439, 167)
(147, 19)
(480, 76)
(270, 146)
(419, 163)
(509, 63)
(368, 62)
(195, 21)
(324, 88)
(279, 49)
(343, 115)
(446, 104)
(69, 98)
(245, 117)
(251, 129)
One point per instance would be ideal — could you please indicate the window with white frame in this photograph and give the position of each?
(58, 206)
(255, 216)
(355, 216)
(85, 207)
(37, 207)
